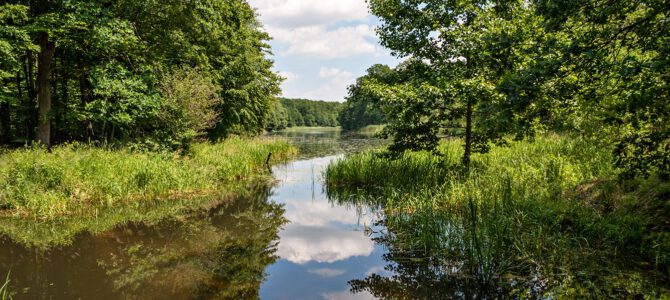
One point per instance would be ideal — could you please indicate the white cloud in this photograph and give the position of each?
(326, 272)
(299, 13)
(335, 89)
(346, 295)
(289, 76)
(303, 244)
(318, 41)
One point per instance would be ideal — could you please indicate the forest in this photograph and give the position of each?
(288, 113)
(151, 72)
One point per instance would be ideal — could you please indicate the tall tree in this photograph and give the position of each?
(468, 47)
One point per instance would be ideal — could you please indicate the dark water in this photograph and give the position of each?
(283, 240)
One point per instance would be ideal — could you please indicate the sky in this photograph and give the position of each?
(321, 46)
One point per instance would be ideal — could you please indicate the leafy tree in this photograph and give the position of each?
(362, 109)
(468, 46)
(95, 70)
(190, 98)
(610, 60)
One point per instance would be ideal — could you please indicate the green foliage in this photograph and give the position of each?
(303, 112)
(76, 180)
(278, 118)
(459, 51)
(188, 110)
(113, 60)
(362, 109)
(541, 219)
(596, 67)
(613, 61)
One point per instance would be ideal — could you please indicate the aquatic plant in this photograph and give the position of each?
(4, 289)
(548, 217)
(77, 179)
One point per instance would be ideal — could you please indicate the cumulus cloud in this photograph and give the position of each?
(321, 42)
(302, 244)
(289, 76)
(300, 13)
(335, 89)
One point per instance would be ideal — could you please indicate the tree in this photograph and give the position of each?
(362, 109)
(468, 47)
(611, 61)
(95, 70)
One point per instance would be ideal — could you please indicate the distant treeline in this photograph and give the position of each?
(302, 112)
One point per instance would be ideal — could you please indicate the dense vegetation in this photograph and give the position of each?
(547, 219)
(505, 205)
(302, 112)
(141, 71)
(492, 71)
(362, 108)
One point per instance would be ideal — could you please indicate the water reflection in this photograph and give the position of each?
(325, 244)
(219, 253)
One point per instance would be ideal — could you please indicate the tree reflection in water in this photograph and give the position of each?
(220, 252)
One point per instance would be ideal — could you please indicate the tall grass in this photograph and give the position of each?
(550, 211)
(77, 179)
(4, 290)
(47, 198)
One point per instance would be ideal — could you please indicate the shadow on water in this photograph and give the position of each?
(444, 254)
(220, 252)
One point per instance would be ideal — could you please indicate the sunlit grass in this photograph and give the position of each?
(77, 179)
(552, 210)
(48, 198)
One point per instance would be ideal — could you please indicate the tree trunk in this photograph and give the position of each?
(19, 81)
(60, 119)
(84, 92)
(468, 135)
(5, 119)
(44, 89)
(29, 106)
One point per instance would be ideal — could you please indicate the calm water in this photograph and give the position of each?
(284, 240)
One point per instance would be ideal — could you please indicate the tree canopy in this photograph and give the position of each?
(491, 70)
(97, 70)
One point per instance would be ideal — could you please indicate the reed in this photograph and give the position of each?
(544, 213)
(4, 289)
(77, 179)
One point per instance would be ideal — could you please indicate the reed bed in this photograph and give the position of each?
(546, 217)
(77, 179)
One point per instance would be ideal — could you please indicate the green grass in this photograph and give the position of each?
(552, 210)
(4, 289)
(47, 198)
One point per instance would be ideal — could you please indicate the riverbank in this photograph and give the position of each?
(545, 219)
(47, 198)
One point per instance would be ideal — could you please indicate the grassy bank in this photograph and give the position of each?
(548, 217)
(49, 197)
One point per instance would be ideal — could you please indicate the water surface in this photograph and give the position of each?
(275, 240)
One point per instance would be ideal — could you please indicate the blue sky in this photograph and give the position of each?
(321, 46)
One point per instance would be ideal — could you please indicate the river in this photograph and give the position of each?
(279, 240)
